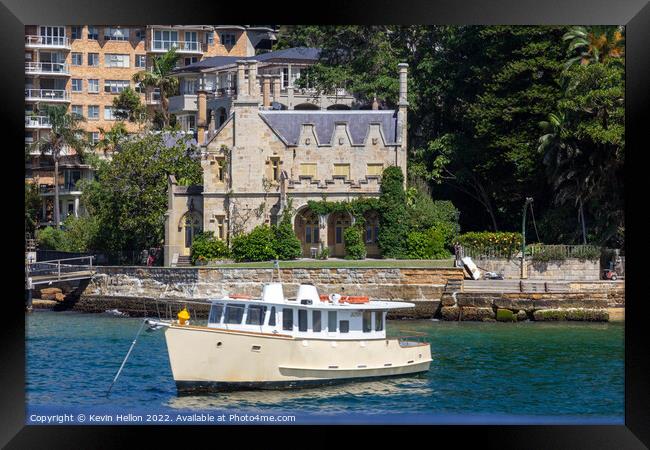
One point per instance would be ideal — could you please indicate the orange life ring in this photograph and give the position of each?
(240, 296)
(352, 299)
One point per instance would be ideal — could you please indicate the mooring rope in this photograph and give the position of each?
(126, 357)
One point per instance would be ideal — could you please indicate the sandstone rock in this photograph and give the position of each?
(449, 312)
(49, 293)
(587, 314)
(550, 314)
(521, 315)
(59, 297)
(474, 313)
(505, 315)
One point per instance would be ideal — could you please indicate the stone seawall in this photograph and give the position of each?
(569, 269)
(137, 290)
(584, 301)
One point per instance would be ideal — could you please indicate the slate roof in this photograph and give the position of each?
(288, 124)
(295, 53)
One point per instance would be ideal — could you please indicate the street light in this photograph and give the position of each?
(524, 273)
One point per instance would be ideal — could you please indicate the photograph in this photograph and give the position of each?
(336, 224)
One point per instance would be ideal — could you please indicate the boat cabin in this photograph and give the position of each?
(308, 315)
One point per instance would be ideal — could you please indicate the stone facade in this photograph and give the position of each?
(260, 161)
(569, 269)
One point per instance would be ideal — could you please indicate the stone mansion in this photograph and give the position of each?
(260, 160)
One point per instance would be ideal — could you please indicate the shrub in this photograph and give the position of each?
(258, 245)
(393, 217)
(287, 244)
(205, 247)
(424, 213)
(504, 244)
(429, 244)
(354, 246)
(324, 253)
(50, 238)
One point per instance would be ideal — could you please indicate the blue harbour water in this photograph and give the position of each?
(481, 373)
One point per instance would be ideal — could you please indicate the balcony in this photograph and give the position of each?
(55, 42)
(47, 68)
(180, 103)
(181, 47)
(38, 122)
(47, 95)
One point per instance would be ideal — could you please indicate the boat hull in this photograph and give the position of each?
(208, 360)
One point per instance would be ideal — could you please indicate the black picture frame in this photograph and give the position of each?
(635, 14)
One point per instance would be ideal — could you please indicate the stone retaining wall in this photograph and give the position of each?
(569, 269)
(136, 287)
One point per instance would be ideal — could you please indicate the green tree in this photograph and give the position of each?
(112, 140)
(33, 203)
(287, 244)
(393, 217)
(65, 136)
(129, 107)
(159, 77)
(129, 195)
(258, 245)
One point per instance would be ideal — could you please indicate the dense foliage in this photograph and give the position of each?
(76, 235)
(206, 247)
(500, 243)
(287, 244)
(258, 245)
(476, 96)
(429, 244)
(129, 196)
(32, 206)
(355, 248)
(393, 217)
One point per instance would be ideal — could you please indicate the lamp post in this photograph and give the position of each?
(524, 272)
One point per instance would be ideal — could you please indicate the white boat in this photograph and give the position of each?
(273, 342)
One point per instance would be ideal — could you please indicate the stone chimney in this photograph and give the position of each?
(253, 88)
(242, 87)
(403, 67)
(202, 112)
(276, 88)
(402, 117)
(266, 91)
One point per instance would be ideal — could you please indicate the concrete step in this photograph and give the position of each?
(184, 261)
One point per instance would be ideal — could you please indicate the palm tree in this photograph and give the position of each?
(568, 169)
(596, 44)
(112, 139)
(159, 78)
(64, 135)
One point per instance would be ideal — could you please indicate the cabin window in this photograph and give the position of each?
(344, 326)
(234, 314)
(215, 313)
(379, 321)
(287, 319)
(331, 321)
(315, 321)
(272, 317)
(302, 320)
(367, 321)
(255, 315)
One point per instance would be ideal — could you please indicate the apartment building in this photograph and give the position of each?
(262, 158)
(86, 66)
(279, 72)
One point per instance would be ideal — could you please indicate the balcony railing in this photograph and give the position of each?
(47, 41)
(47, 68)
(37, 122)
(57, 95)
(186, 46)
